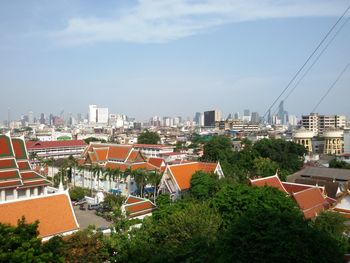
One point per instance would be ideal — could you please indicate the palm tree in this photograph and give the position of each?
(108, 173)
(72, 163)
(97, 173)
(81, 168)
(154, 178)
(140, 177)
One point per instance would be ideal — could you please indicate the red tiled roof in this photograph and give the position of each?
(183, 172)
(4, 175)
(53, 219)
(310, 201)
(7, 163)
(30, 175)
(23, 165)
(135, 156)
(19, 148)
(35, 183)
(54, 144)
(10, 184)
(294, 187)
(5, 146)
(272, 181)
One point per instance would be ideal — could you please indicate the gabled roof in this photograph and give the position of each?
(295, 187)
(119, 152)
(54, 144)
(136, 206)
(101, 154)
(311, 202)
(321, 173)
(20, 148)
(157, 162)
(182, 173)
(53, 219)
(6, 164)
(330, 187)
(272, 181)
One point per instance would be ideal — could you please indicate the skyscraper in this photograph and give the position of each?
(210, 117)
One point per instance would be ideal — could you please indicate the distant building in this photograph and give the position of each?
(347, 141)
(282, 114)
(211, 117)
(255, 118)
(98, 115)
(319, 123)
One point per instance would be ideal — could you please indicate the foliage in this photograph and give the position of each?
(21, 244)
(233, 200)
(264, 167)
(288, 155)
(203, 185)
(177, 237)
(338, 164)
(219, 148)
(78, 193)
(148, 137)
(269, 235)
(93, 139)
(85, 246)
(112, 202)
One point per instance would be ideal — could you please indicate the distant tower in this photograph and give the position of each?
(8, 117)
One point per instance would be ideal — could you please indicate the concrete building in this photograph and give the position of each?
(304, 137)
(333, 142)
(98, 115)
(211, 117)
(346, 141)
(320, 123)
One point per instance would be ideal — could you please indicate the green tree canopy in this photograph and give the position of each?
(203, 185)
(93, 139)
(148, 137)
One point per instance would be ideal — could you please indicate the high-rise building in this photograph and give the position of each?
(210, 117)
(282, 114)
(246, 116)
(255, 118)
(98, 115)
(30, 117)
(92, 113)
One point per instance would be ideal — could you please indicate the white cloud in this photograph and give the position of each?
(156, 21)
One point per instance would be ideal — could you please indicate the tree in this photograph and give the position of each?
(203, 185)
(72, 164)
(148, 137)
(289, 155)
(85, 246)
(153, 178)
(233, 200)
(111, 174)
(268, 235)
(264, 167)
(140, 177)
(21, 244)
(93, 139)
(338, 164)
(97, 170)
(78, 193)
(219, 148)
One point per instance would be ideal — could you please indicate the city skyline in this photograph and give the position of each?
(148, 58)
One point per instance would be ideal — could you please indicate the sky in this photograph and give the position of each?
(169, 57)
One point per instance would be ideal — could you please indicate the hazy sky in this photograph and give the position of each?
(168, 57)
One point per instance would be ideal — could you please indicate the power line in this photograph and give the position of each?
(331, 87)
(308, 59)
(315, 61)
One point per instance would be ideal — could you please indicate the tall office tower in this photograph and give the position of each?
(246, 116)
(236, 115)
(255, 118)
(292, 120)
(92, 113)
(30, 117)
(197, 117)
(282, 114)
(210, 117)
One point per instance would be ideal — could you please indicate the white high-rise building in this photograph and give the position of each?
(102, 115)
(92, 113)
(98, 115)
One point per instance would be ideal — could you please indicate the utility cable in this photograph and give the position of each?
(331, 87)
(308, 59)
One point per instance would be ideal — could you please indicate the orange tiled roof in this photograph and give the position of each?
(272, 181)
(136, 206)
(183, 172)
(30, 175)
(133, 199)
(53, 219)
(10, 184)
(101, 154)
(122, 167)
(310, 201)
(19, 148)
(294, 187)
(156, 161)
(119, 152)
(135, 156)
